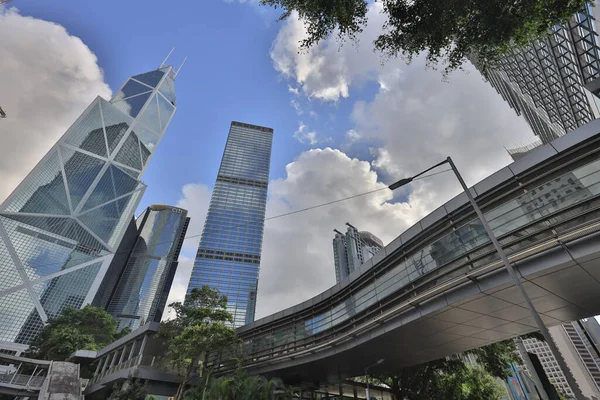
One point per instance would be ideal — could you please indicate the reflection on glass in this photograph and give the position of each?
(228, 257)
(142, 290)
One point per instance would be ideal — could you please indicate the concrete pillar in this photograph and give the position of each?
(132, 349)
(123, 351)
(104, 364)
(114, 357)
(141, 352)
(62, 382)
(98, 366)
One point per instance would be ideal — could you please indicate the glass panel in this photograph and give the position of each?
(151, 78)
(166, 110)
(43, 192)
(133, 105)
(148, 139)
(80, 170)
(150, 116)
(88, 134)
(116, 124)
(68, 290)
(167, 89)
(123, 182)
(8, 271)
(131, 88)
(15, 309)
(102, 221)
(103, 192)
(129, 154)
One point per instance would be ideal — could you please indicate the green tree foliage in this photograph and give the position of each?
(452, 378)
(199, 327)
(89, 328)
(495, 357)
(448, 31)
(239, 386)
(131, 389)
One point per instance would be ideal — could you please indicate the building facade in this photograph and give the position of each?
(228, 257)
(554, 82)
(352, 249)
(60, 228)
(143, 288)
(578, 355)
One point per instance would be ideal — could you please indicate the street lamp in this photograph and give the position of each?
(511, 271)
(367, 374)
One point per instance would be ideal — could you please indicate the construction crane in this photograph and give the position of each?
(2, 113)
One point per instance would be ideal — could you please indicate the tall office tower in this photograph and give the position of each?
(228, 257)
(142, 290)
(352, 249)
(576, 351)
(552, 82)
(60, 228)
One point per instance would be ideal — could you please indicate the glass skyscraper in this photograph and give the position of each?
(142, 290)
(60, 228)
(554, 82)
(228, 257)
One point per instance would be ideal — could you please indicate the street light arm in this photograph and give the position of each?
(406, 181)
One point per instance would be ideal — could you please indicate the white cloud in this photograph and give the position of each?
(414, 121)
(180, 284)
(195, 198)
(304, 135)
(297, 257)
(296, 105)
(293, 90)
(48, 78)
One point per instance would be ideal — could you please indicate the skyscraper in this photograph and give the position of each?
(352, 249)
(577, 353)
(143, 287)
(228, 257)
(60, 228)
(555, 81)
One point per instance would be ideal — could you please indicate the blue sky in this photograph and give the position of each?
(228, 76)
(344, 122)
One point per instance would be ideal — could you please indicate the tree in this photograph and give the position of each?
(450, 377)
(450, 31)
(131, 389)
(239, 386)
(199, 328)
(89, 328)
(496, 357)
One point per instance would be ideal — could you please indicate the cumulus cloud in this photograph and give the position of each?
(414, 121)
(179, 285)
(48, 77)
(195, 198)
(304, 135)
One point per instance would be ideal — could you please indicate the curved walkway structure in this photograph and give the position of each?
(440, 288)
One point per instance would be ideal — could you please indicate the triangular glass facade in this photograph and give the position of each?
(60, 228)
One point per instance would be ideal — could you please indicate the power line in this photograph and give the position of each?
(268, 218)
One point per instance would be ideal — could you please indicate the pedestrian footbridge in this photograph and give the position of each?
(440, 288)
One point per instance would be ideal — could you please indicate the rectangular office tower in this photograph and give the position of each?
(144, 285)
(60, 228)
(228, 257)
(554, 82)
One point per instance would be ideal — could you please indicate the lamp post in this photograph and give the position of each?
(367, 374)
(511, 271)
